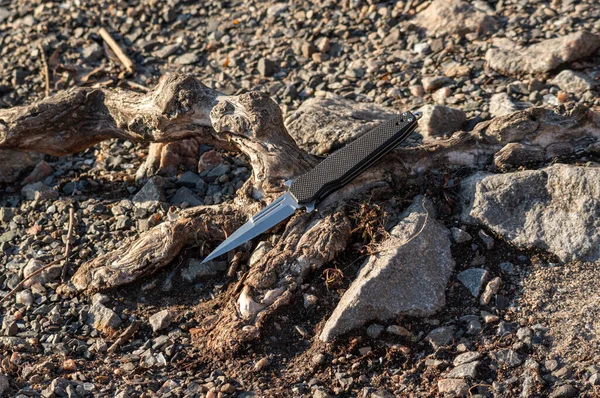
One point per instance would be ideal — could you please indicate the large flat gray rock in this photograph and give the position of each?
(555, 208)
(322, 125)
(407, 276)
(544, 56)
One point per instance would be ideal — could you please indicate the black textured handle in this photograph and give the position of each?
(344, 165)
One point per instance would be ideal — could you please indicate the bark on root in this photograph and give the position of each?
(182, 108)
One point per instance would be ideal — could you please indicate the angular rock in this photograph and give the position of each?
(209, 160)
(544, 56)
(38, 191)
(536, 207)
(187, 59)
(448, 17)
(45, 276)
(167, 50)
(501, 104)
(152, 191)
(573, 82)
(161, 320)
(321, 125)
(455, 387)
(432, 83)
(407, 277)
(507, 357)
(265, 67)
(460, 236)
(440, 120)
(15, 343)
(466, 357)
(185, 195)
(92, 52)
(103, 318)
(564, 391)
(41, 171)
(440, 337)
(466, 370)
(473, 279)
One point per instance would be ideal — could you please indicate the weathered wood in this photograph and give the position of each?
(182, 108)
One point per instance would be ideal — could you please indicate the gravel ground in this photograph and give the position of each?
(533, 339)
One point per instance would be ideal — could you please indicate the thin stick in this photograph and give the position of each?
(125, 60)
(36, 273)
(68, 248)
(45, 69)
(124, 336)
(45, 267)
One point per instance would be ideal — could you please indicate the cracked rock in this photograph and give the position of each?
(409, 277)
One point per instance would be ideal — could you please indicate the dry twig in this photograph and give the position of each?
(124, 336)
(125, 60)
(45, 267)
(68, 248)
(45, 69)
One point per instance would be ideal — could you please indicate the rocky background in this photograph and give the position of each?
(507, 302)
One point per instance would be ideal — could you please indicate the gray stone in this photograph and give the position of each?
(196, 269)
(501, 104)
(38, 191)
(6, 214)
(166, 51)
(449, 17)
(103, 318)
(321, 125)
(466, 370)
(573, 82)
(407, 277)
(92, 52)
(536, 207)
(4, 384)
(473, 279)
(507, 357)
(374, 331)
(8, 236)
(440, 120)
(594, 379)
(440, 337)
(161, 320)
(466, 357)
(44, 277)
(564, 391)
(185, 195)
(187, 59)
(544, 56)
(15, 343)
(459, 235)
(152, 191)
(432, 83)
(454, 387)
(265, 67)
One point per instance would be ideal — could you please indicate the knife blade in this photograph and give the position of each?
(335, 171)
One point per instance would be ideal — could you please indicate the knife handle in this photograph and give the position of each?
(342, 166)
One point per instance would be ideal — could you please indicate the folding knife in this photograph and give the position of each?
(335, 171)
